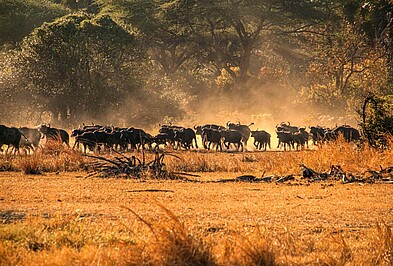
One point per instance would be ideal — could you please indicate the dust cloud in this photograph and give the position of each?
(265, 107)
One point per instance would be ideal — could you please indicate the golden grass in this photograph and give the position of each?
(55, 157)
(74, 240)
(348, 156)
(63, 219)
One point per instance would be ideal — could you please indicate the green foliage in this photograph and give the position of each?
(79, 66)
(132, 59)
(75, 4)
(19, 17)
(373, 19)
(377, 120)
(344, 68)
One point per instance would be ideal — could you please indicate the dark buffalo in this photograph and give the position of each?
(212, 136)
(52, 133)
(287, 127)
(243, 129)
(302, 138)
(10, 136)
(185, 138)
(349, 133)
(159, 139)
(318, 134)
(136, 137)
(115, 140)
(291, 135)
(170, 131)
(102, 138)
(232, 137)
(285, 138)
(88, 140)
(199, 129)
(261, 139)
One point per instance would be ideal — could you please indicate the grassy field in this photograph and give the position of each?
(60, 217)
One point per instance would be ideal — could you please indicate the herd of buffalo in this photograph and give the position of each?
(232, 136)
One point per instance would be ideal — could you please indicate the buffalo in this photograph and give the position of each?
(185, 138)
(243, 129)
(232, 137)
(290, 135)
(159, 139)
(52, 133)
(170, 131)
(212, 136)
(347, 132)
(261, 139)
(136, 137)
(199, 130)
(318, 134)
(10, 136)
(88, 140)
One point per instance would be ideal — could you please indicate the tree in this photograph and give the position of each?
(81, 66)
(374, 20)
(223, 33)
(235, 31)
(19, 17)
(161, 26)
(344, 67)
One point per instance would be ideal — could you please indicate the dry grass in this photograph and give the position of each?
(65, 219)
(53, 157)
(348, 156)
(74, 239)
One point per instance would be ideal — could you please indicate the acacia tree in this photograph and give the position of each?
(224, 34)
(161, 26)
(234, 32)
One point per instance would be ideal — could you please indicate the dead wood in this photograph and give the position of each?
(285, 178)
(120, 165)
(150, 190)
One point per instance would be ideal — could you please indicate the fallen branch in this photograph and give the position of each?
(150, 190)
(131, 167)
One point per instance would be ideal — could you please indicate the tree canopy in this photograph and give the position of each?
(143, 60)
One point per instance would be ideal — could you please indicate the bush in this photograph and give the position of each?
(377, 120)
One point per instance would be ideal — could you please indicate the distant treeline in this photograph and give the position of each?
(148, 61)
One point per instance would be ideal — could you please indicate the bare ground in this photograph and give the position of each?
(214, 207)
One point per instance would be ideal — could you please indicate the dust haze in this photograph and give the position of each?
(264, 106)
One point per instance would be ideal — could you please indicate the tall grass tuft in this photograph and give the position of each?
(31, 165)
(174, 244)
(52, 157)
(382, 246)
(8, 163)
(350, 157)
(253, 250)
